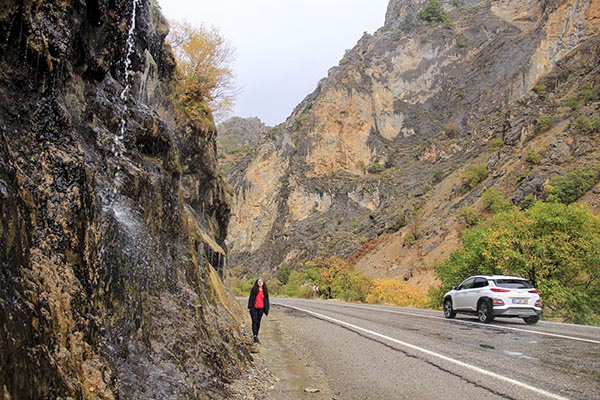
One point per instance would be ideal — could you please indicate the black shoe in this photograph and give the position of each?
(256, 339)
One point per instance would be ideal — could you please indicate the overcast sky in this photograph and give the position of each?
(283, 47)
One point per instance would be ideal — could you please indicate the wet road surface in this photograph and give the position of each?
(379, 352)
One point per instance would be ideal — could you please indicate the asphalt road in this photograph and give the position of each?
(381, 352)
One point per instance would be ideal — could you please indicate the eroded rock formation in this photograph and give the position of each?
(112, 213)
(379, 149)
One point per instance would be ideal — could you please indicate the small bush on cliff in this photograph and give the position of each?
(587, 94)
(495, 144)
(474, 175)
(204, 72)
(544, 122)
(494, 200)
(469, 216)
(434, 11)
(596, 123)
(533, 157)
(568, 188)
(583, 124)
(375, 168)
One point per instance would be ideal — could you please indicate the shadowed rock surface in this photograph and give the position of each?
(113, 216)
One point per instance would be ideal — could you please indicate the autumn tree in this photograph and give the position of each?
(205, 80)
(556, 246)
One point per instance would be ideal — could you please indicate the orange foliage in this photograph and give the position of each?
(366, 248)
(203, 67)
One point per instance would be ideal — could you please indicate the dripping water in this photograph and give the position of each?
(118, 147)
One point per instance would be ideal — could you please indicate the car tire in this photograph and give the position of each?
(484, 312)
(448, 311)
(531, 320)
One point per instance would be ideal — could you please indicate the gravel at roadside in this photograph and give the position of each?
(282, 368)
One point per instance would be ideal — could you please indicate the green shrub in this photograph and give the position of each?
(523, 175)
(438, 175)
(408, 22)
(540, 90)
(527, 202)
(596, 123)
(434, 11)
(573, 103)
(374, 168)
(240, 287)
(400, 222)
(583, 124)
(495, 144)
(363, 166)
(533, 157)
(495, 201)
(469, 215)
(410, 238)
(474, 175)
(390, 161)
(283, 274)
(544, 122)
(568, 188)
(587, 94)
(295, 287)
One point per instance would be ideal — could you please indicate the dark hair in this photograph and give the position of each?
(254, 290)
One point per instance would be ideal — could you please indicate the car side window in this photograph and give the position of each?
(468, 284)
(480, 282)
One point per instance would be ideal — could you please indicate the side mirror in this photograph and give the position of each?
(455, 288)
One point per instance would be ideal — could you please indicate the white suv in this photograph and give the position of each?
(490, 296)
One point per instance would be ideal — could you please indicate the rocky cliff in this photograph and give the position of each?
(372, 165)
(113, 216)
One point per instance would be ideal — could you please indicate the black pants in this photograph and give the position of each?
(256, 314)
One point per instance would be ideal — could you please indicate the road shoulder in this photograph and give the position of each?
(282, 363)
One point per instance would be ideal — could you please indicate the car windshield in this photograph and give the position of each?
(513, 283)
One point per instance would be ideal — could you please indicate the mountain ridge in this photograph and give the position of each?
(397, 124)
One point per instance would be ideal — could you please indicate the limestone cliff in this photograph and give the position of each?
(112, 212)
(374, 158)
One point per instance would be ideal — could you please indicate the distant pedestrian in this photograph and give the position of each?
(258, 304)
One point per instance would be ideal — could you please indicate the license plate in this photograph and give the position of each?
(520, 301)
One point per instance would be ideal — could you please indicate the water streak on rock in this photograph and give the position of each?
(118, 147)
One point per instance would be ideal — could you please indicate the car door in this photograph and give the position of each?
(462, 294)
(472, 295)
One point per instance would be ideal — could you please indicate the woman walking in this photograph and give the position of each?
(258, 304)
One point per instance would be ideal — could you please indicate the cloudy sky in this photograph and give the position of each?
(283, 47)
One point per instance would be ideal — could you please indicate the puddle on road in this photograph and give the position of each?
(295, 378)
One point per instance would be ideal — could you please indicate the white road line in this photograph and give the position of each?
(475, 323)
(433, 354)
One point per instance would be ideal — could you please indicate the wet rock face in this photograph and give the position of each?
(108, 210)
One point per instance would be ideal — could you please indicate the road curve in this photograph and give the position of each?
(382, 352)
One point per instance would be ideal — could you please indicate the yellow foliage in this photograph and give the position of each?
(204, 70)
(395, 292)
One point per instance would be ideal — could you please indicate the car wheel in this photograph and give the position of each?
(484, 312)
(448, 311)
(531, 320)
